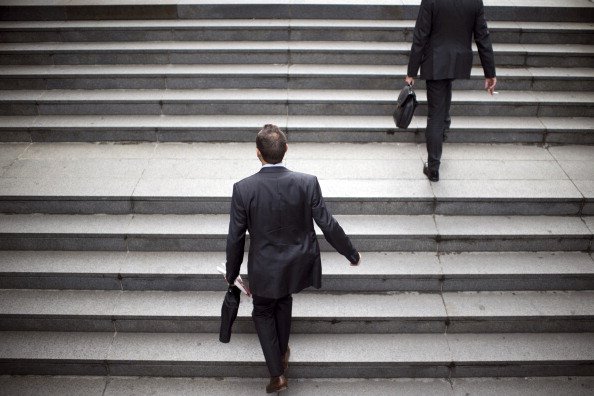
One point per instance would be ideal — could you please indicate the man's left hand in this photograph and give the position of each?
(359, 262)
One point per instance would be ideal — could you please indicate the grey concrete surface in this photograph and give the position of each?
(282, 9)
(523, 386)
(62, 263)
(225, 29)
(67, 386)
(381, 272)
(59, 346)
(147, 164)
(322, 313)
(516, 225)
(234, 128)
(255, 386)
(552, 3)
(444, 311)
(519, 303)
(509, 348)
(517, 312)
(54, 302)
(369, 232)
(253, 45)
(383, 354)
(282, 101)
(248, 76)
(516, 263)
(137, 386)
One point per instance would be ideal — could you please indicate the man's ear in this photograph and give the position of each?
(259, 155)
(286, 148)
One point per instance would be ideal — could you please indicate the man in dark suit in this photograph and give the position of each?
(442, 48)
(278, 207)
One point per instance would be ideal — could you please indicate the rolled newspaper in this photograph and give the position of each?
(238, 281)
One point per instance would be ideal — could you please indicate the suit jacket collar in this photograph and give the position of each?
(273, 169)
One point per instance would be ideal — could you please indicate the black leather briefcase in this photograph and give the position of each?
(405, 107)
(229, 313)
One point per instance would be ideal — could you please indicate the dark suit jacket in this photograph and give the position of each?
(277, 207)
(442, 41)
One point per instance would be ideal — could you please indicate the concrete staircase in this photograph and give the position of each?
(125, 125)
(105, 73)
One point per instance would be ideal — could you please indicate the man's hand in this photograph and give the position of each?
(410, 80)
(359, 262)
(490, 84)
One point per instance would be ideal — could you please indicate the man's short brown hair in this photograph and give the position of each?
(272, 143)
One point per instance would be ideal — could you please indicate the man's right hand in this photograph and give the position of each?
(490, 84)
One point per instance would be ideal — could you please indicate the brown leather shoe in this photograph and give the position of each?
(277, 384)
(286, 359)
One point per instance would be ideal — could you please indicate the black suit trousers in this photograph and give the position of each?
(272, 318)
(439, 98)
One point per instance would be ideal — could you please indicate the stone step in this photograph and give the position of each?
(176, 178)
(273, 52)
(310, 129)
(281, 102)
(503, 198)
(369, 233)
(31, 10)
(518, 32)
(312, 355)
(381, 272)
(279, 76)
(313, 313)
(120, 386)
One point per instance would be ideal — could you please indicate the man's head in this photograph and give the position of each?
(271, 144)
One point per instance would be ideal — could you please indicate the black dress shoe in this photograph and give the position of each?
(277, 384)
(431, 175)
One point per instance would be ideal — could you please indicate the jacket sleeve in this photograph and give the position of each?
(236, 235)
(420, 38)
(333, 232)
(482, 38)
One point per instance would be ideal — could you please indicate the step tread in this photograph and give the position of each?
(307, 306)
(496, 3)
(288, 122)
(381, 272)
(100, 386)
(356, 225)
(385, 349)
(271, 46)
(569, 10)
(377, 264)
(311, 70)
(179, 171)
(407, 186)
(279, 95)
(276, 23)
